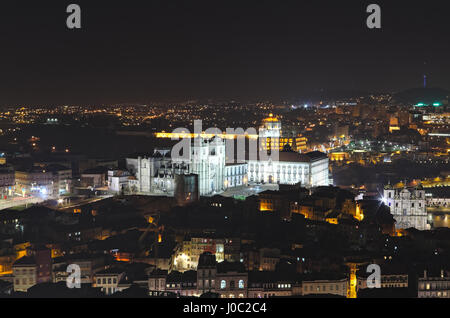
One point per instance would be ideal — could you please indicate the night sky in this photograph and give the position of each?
(142, 51)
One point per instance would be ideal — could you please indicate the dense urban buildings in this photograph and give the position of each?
(229, 156)
(301, 224)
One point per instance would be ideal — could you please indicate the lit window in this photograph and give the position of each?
(223, 284)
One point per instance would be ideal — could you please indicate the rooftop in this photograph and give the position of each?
(25, 261)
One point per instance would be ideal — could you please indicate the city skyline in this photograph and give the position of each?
(257, 151)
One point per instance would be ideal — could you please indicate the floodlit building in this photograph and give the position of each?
(188, 253)
(408, 206)
(62, 179)
(271, 136)
(34, 181)
(207, 158)
(118, 180)
(310, 169)
(236, 175)
(156, 174)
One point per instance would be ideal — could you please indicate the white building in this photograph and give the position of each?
(408, 206)
(235, 175)
(311, 169)
(118, 180)
(155, 175)
(208, 161)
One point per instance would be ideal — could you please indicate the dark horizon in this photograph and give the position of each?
(180, 50)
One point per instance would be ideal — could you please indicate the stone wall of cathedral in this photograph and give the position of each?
(408, 206)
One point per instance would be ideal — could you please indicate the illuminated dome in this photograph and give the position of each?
(271, 118)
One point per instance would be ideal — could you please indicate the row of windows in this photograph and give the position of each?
(204, 273)
(418, 194)
(266, 295)
(322, 288)
(271, 285)
(284, 285)
(223, 284)
(433, 286)
(104, 281)
(234, 181)
(412, 205)
(24, 271)
(284, 167)
(284, 170)
(24, 281)
(434, 295)
(394, 278)
(109, 290)
(207, 283)
(175, 285)
(394, 285)
(236, 170)
(232, 296)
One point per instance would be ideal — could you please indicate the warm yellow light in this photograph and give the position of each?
(202, 135)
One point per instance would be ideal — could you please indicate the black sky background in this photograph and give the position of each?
(159, 50)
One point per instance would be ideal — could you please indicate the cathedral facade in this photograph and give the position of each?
(408, 206)
(156, 174)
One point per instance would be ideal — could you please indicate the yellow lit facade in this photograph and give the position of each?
(271, 136)
(339, 156)
(333, 220)
(359, 213)
(295, 143)
(266, 205)
(351, 292)
(204, 135)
